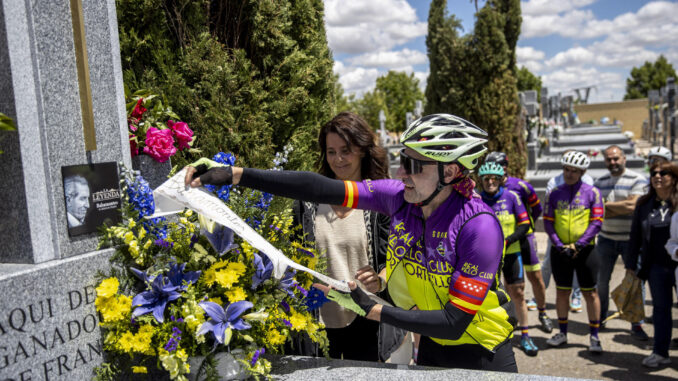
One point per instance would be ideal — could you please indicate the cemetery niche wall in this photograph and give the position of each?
(61, 81)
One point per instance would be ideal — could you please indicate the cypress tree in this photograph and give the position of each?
(474, 76)
(248, 77)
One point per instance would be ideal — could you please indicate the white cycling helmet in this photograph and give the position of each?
(446, 138)
(661, 152)
(576, 159)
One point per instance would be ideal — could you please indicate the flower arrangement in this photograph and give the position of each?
(186, 287)
(154, 129)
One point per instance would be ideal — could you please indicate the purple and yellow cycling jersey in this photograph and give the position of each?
(510, 212)
(454, 255)
(527, 195)
(573, 214)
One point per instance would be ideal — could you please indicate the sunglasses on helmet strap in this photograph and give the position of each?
(413, 166)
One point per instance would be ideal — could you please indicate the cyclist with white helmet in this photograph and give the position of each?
(659, 155)
(515, 223)
(445, 245)
(528, 243)
(573, 216)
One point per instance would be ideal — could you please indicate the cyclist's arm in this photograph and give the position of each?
(549, 219)
(479, 245)
(532, 201)
(595, 219)
(522, 222)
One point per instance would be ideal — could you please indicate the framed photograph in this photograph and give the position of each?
(92, 196)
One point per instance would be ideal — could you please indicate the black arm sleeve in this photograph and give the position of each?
(518, 234)
(449, 323)
(305, 186)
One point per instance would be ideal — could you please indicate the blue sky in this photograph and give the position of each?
(569, 43)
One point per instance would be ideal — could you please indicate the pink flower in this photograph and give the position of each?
(183, 134)
(139, 109)
(159, 144)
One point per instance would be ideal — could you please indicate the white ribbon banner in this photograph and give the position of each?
(173, 197)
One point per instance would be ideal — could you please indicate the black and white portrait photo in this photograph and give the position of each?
(92, 196)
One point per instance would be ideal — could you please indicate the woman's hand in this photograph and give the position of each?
(369, 278)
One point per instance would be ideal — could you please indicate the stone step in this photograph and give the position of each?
(590, 139)
(560, 150)
(590, 130)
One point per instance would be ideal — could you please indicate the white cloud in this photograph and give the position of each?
(390, 59)
(609, 85)
(530, 58)
(546, 7)
(356, 80)
(365, 26)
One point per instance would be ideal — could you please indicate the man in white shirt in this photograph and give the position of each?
(620, 189)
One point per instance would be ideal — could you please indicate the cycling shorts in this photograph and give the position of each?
(513, 269)
(528, 249)
(585, 264)
(467, 356)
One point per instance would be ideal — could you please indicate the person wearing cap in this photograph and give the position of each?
(515, 223)
(650, 240)
(445, 244)
(620, 189)
(573, 215)
(528, 244)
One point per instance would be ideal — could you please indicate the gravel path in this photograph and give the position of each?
(622, 356)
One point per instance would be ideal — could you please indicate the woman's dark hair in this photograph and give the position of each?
(652, 193)
(355, 131)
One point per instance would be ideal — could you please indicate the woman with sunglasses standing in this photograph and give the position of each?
(445, 244)
(354, 242)
(650, 231)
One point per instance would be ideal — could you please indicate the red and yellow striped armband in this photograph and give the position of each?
(351, 194)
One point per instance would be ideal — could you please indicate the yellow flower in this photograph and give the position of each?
(238, 267)
(129, 236)
(184, 221)
(298, 321)
(188, 213)
(108, 287)
(274, 337)
(226, 278)
(147, 244)
(216, 300)
(126, 342)
(134, 248)
(139, 369)
(116, 309)
(142, 233)
(236, 294)
(131, 223)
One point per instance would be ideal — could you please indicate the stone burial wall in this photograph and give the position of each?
(49, 328)
(61, 83)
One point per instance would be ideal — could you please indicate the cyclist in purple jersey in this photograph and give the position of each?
(514, 222)
(528, 245)
(445, 245)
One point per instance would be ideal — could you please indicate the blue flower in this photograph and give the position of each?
(140, 196)
(163, 243)
(156, 226)
(221, 239)
(263, 271)
(265, 201)
(155, 300)
(177, 276)
(287, 282)
(224, 158)
(256, 355)
(223, 321)
(223, 192)
(315, 299)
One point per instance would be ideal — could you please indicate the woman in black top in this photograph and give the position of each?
(650, 230)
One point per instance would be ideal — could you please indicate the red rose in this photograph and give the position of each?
(159, 144)
(133, 148)
(139, 109)
(183, 134)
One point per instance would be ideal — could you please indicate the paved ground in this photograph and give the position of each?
(622, 355)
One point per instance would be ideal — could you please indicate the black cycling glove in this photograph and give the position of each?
(212, 173)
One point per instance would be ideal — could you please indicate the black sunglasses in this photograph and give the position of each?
(662, 173)
(490, 178)
(413, 166)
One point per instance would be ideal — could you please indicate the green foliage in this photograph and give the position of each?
(369, 106)
(249, 77)
(650, 76)
(528, 81)
(400, 92)
(6, 124)
(474, 76)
